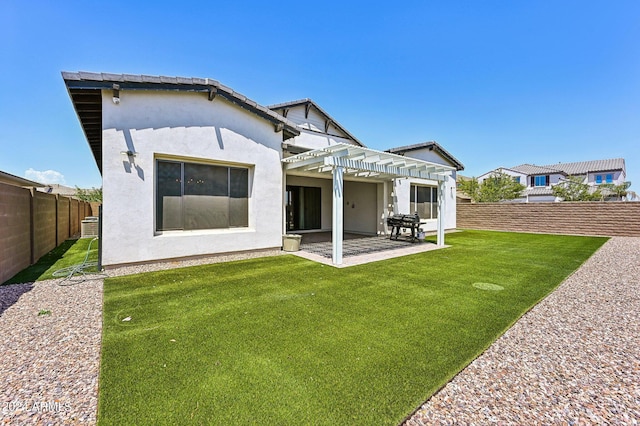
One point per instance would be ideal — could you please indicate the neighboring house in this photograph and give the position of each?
(56, 188)
(539, 180)
(191, 167)
(9, 179)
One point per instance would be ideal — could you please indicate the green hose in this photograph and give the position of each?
(81, 270)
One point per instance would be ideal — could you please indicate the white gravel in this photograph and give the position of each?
(573, 359)
(50, 352)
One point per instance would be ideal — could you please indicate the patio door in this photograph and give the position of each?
(303, 208)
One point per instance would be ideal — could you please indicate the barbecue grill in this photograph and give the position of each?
(405, 221)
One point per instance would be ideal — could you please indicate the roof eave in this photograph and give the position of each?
(401, 150)
(83, 83)
(322, 111)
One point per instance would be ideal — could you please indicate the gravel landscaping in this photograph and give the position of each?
(573, 359)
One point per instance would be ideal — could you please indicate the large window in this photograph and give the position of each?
(424, 201)
(201, 196)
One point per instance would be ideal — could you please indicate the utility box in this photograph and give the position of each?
(291, 242)
(89, 227)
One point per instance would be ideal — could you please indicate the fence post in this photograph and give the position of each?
(32, 226)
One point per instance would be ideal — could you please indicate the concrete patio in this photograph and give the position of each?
(359, 249)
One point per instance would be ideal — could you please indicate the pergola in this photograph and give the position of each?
(342, 160)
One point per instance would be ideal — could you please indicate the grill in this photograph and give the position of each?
(406, 221)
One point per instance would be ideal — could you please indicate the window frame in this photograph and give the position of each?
(544, 178)
(433, 195)
(183, 201)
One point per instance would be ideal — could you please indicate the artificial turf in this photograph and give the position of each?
(283, 340)
(70, 252)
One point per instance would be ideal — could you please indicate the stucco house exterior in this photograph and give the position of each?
(539, 180)
(191, 168)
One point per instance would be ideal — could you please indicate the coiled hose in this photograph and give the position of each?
(79, 271)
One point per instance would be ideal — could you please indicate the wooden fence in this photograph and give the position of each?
(33, 223)
(575, 218)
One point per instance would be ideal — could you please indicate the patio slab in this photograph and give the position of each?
(362, 249)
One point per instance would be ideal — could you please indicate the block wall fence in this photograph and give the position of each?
(609, 218)
(33, 223)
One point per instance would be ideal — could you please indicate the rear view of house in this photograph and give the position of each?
(191, 167)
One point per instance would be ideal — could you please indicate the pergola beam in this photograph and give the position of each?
(347, 160)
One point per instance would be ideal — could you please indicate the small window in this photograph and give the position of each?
(541, 180)
(516, 179)
(598, 179)
(424, 201)
(609, 178)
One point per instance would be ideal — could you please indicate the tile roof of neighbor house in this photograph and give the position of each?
(307, 101)
(56, 188)
(431, 145)
(576, 168)
(532, 169)
(84, 90)
(14, 180)
(538, 190)
(583, 167)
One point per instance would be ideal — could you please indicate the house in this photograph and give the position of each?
(56, 188)
(9, 179)
(539, 180)
(191, 168)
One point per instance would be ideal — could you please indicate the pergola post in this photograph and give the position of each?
(338, 222)
(441, 213)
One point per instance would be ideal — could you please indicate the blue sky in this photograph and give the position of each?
(497, 83)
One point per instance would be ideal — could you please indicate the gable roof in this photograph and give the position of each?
(576, 168)
(532, 169)
(85, 91)
(308, 103)
(584, 167)
(430, 145)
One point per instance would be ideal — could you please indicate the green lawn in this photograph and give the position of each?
(283, 340)
(70, 252)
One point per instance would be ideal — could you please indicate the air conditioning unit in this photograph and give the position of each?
(89, 227)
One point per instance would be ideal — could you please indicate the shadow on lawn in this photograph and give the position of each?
(35, 271)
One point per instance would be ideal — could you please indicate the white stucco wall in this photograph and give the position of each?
(360, 207)
(618, 177)
(403, 186)
(312, 134)
(522, 176)
(402, 193)
(314, 140)
(183, 126)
